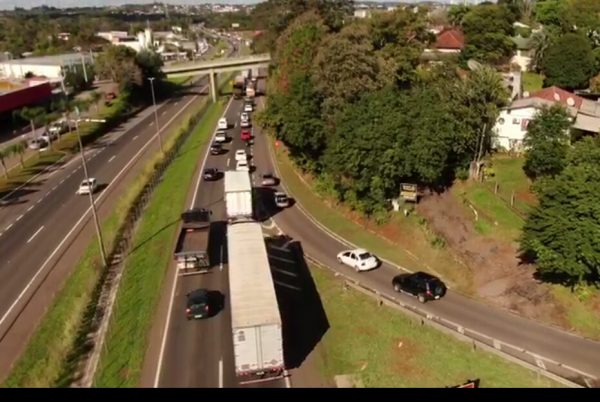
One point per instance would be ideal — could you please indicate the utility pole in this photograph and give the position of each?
(84, 69)
(90, 192)
(151, 79)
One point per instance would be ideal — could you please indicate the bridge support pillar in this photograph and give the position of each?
(213, 85)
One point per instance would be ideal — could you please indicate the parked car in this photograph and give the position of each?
(210, 174)
(49, 136)
(197, 304)
(245, 134)
(281, 199)
(268, 180)
(216, 148)
(242, 165)
(223, 124)
(359, 259)
(58, 127)
(37, 143)
(221, 136)
(248, 107)
(240, 155)
(87, 186)
(420, 284)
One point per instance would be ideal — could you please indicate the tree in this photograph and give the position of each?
(476, 103)
(345, 67)
(487, 29)
(33, 115)
(77, 78)
(456, 13)
(5, 153)
(118, 63)
(399, 39)
(553, 12)
(561, 234)
(547, 142)
(150, 63)
(19, 148)
(569, 62)
(297, 47)
(95, 98)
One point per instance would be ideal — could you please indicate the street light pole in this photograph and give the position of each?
(90, 192)
(151, 79)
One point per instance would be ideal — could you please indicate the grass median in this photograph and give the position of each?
(48, 359)
(139, 291)
(386, 349)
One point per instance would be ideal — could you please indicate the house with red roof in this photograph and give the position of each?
(511, 126)
(449, 40)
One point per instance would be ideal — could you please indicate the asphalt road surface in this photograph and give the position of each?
(199, 353)
(37, 229)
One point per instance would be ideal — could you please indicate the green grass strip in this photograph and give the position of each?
(139, 291)
(386, 349)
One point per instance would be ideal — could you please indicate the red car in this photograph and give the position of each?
(246, 135)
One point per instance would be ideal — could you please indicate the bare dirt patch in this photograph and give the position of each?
(499, 275)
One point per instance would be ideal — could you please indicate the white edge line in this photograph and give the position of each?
(115, 180)
(165, 334)
(35, 234)
(221, 372)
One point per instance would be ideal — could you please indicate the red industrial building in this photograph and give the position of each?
(15, 98)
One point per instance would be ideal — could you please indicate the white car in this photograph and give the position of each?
(248, 107)
(220, 136)
(37, 144)
(359, 259)
(49, 136)
(244, 116)
(240, 155)
(87, 187)
(223, 124)
(242, 166)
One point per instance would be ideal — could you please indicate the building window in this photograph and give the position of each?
(501, 121)
(516, 121)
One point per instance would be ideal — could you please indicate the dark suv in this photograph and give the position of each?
(420, 284)
(197, 305)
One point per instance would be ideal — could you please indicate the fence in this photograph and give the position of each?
(509, 197)
(95, 330)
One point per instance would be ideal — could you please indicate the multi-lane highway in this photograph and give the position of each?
(200, 353)
(37, 231)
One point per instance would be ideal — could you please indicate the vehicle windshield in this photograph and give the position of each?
(365, 256)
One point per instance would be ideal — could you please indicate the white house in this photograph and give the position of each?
(51, 67)
(511, 126)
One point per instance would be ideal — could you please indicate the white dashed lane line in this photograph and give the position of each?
(30, 208)
(35, 234)
(112, 158)
(134, 138)
(19, 218)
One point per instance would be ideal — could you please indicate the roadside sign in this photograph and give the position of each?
(409, 192)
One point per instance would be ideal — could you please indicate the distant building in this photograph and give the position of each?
(51, 67)
(450, 40)
(15, 95)
(362, 13)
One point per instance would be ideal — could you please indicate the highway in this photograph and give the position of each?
(199, 353)
(36, 232)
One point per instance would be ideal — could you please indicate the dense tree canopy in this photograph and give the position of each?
(547, 142)
(569, 62)
(487, 29)
(562, 233)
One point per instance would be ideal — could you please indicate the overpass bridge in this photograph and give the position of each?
(213, 67)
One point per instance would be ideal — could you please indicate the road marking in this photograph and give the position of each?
(8, 227)
(62, 181)
(163, 113)
(134, 138)
(30, 208)
(39, 200)
(228, 160)
(112, 158)
(35, 234)
(221, 372)
(288, 383)
(85, 214)
(221, 260)
(19, 218)
(151, 123)
(176, 102)
(204, 161)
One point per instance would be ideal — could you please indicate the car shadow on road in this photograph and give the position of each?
(303, 317)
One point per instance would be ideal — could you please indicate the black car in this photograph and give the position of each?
(420, 284)
(210, 174)
(197, 305)
(215, 148)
